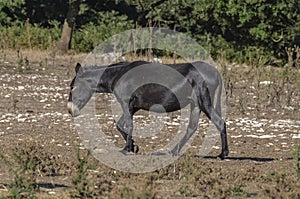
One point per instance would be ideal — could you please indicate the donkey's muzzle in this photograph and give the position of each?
(73, 109)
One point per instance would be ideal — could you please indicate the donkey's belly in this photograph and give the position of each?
(159, 99)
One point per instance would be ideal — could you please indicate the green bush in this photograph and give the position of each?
(235, 29)
(26, 35)
(93, 33)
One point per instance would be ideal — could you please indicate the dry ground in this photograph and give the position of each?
(263, 129)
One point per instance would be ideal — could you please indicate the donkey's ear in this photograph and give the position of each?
(78, 66)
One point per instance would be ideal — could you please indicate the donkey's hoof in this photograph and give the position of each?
(126, 151)
(226, 153)
(135, 149)
(132, 149)
(222, 155)
(175, 152)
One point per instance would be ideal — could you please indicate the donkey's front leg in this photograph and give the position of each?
(192, 127)
(127, 105)
(121, 128)
(129, 124)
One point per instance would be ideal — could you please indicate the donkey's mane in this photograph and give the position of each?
(95, 67)
(112, 66)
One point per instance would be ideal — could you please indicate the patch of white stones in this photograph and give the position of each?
(8, 120)
(27, 85)
(39, 96)
(263, 128)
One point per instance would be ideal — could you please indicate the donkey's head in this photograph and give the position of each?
(82, 88)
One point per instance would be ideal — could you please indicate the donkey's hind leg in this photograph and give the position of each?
(211, 113)
(221, 126)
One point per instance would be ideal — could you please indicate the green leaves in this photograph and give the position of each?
(14, 9)
(106, 24)
(241, 24)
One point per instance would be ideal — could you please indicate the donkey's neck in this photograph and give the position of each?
(111, 76)
(104, 77)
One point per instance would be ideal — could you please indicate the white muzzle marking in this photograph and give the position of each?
(73, 109)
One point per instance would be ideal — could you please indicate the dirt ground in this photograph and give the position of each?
(262, 135)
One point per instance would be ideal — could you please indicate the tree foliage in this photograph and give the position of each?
(11, 11)
(232, 26)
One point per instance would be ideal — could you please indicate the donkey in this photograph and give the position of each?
(173, 94)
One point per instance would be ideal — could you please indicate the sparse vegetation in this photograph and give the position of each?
(24, 168)
(83, 188)
(238, 190)
(296, 158)
(26, 163)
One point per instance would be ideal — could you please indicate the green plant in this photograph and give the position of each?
(285, 83)
(20, 59)
(8, 8)
(43, 63)
(188, 168)
(27, 66)
(27, 35)
(24, 168)
(93, 33)
(296, 158)
(238, 190)
(82, 186)
(15, 105)
(127, 193)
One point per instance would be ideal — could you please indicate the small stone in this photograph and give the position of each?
(21, 87)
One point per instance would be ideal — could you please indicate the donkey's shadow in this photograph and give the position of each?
(256, 159)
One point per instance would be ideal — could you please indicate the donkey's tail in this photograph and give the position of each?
(219, 98)
(204, 100)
